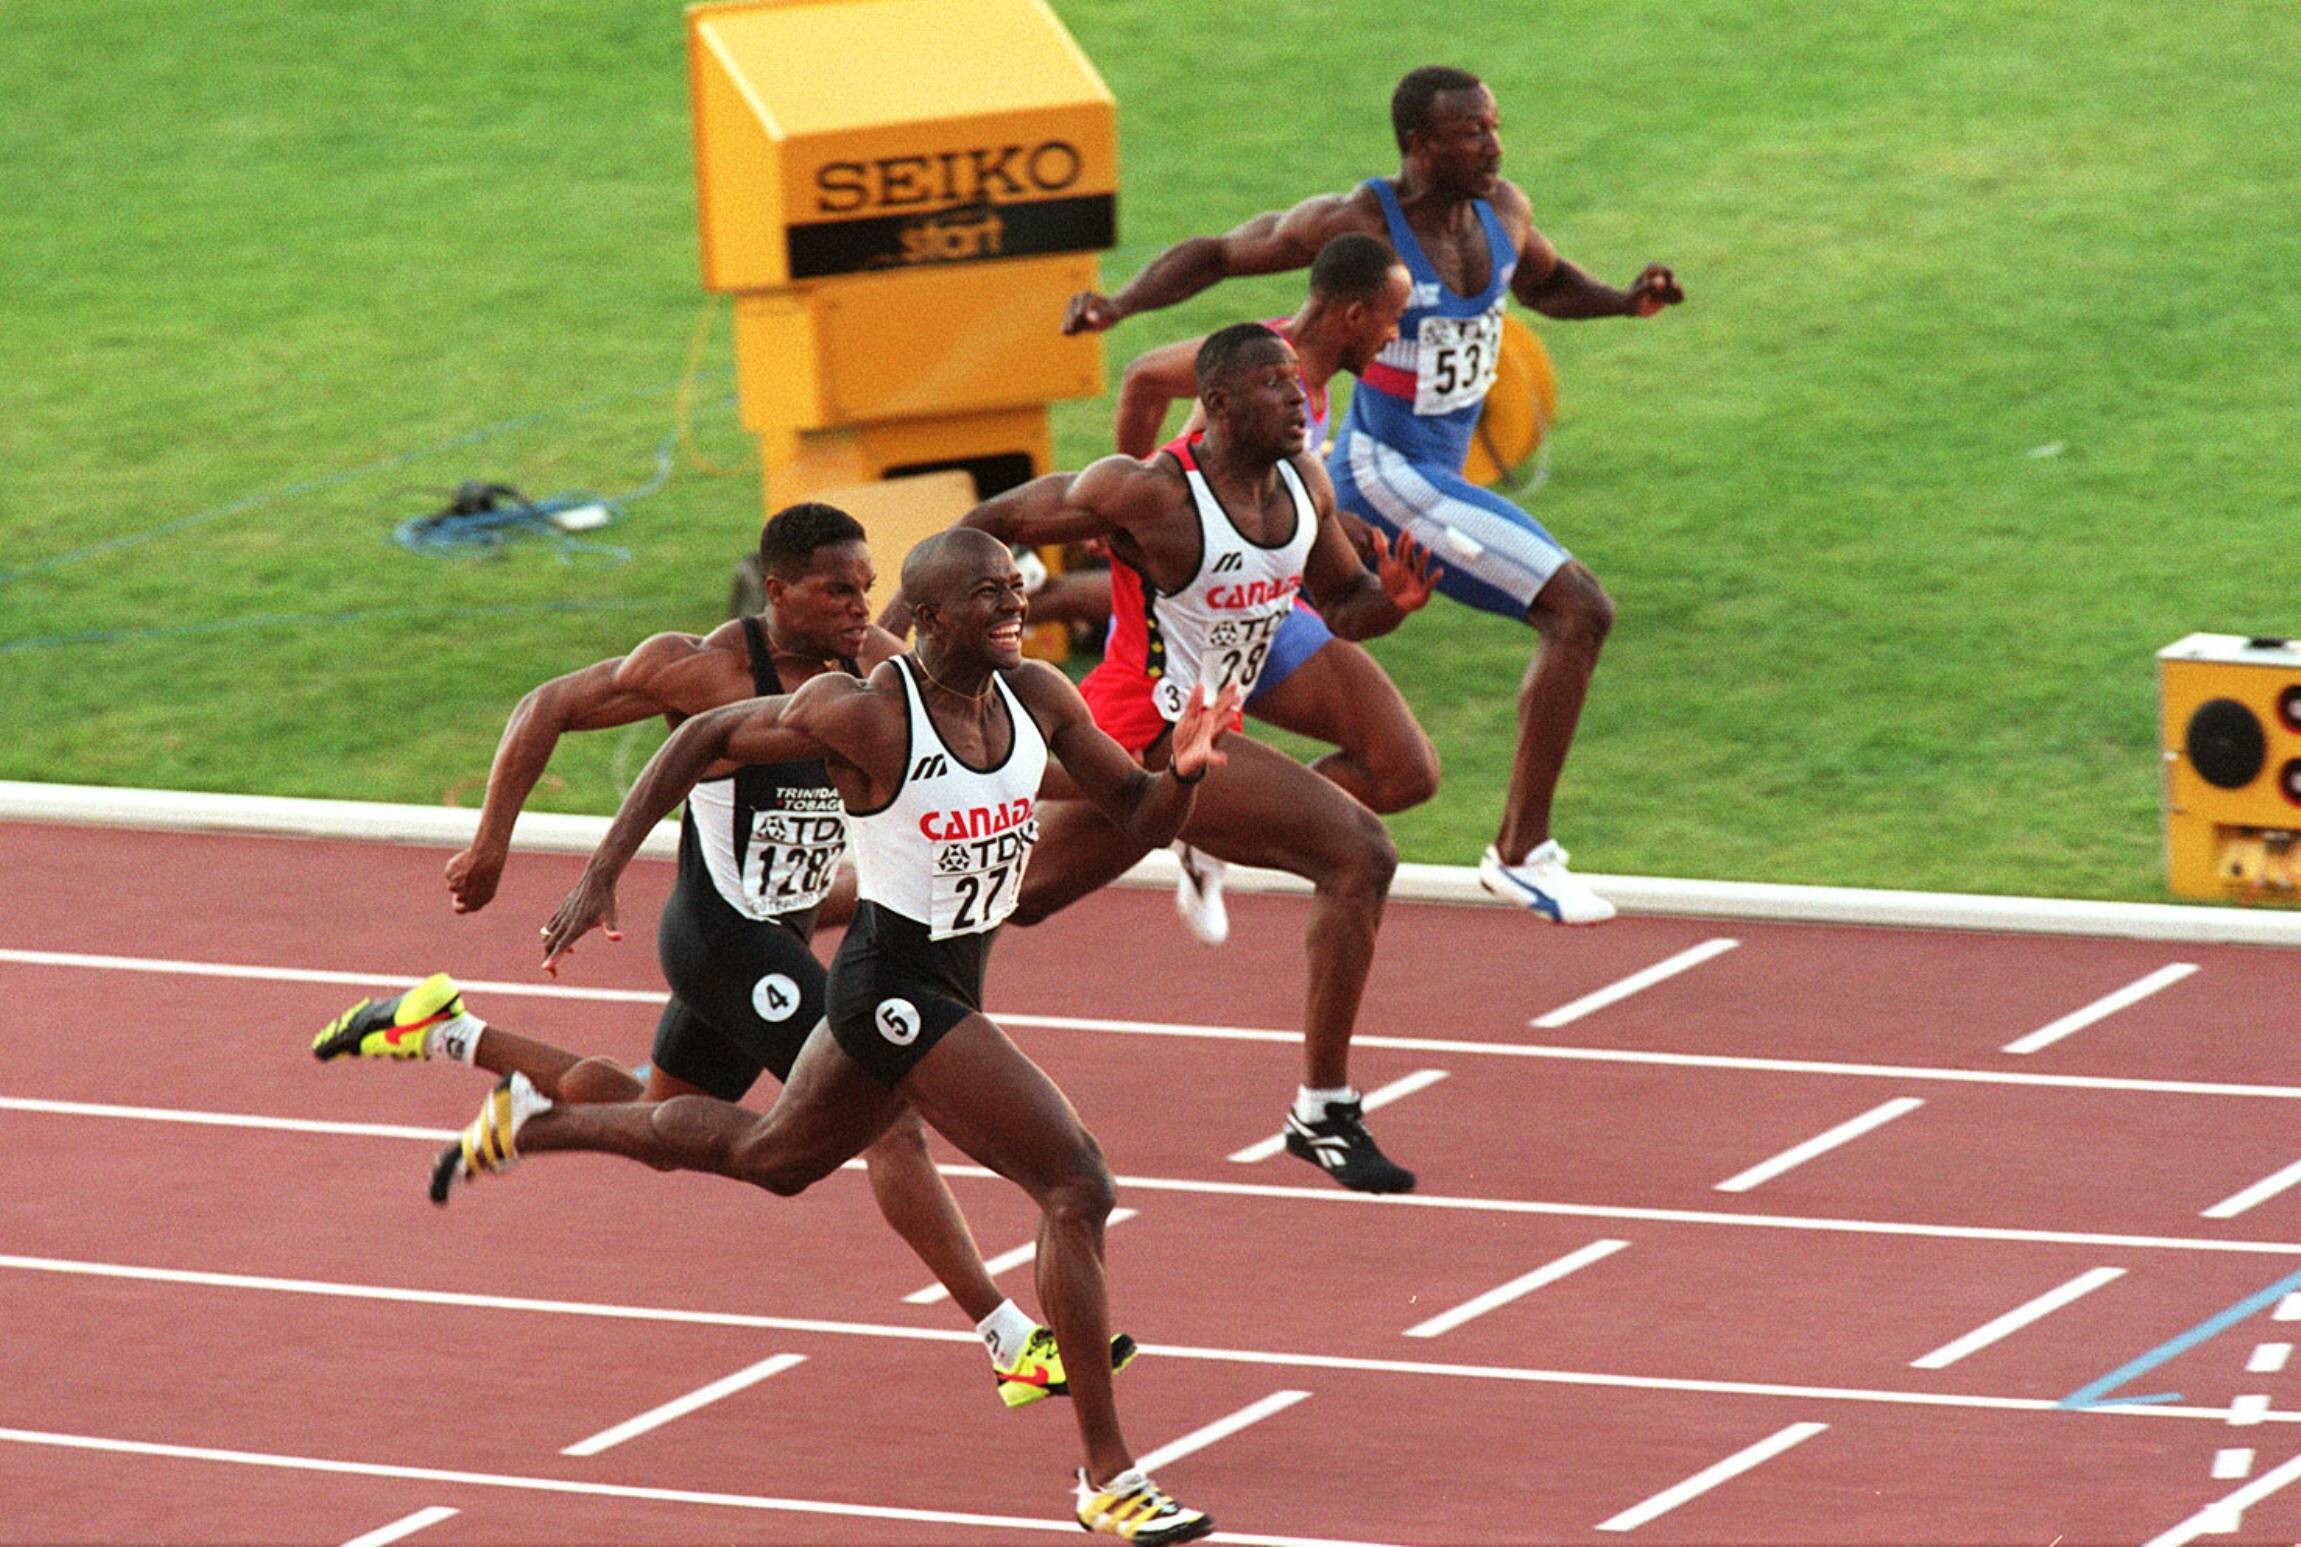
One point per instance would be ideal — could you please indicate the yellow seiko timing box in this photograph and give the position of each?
(901, 195)
(2232, 752)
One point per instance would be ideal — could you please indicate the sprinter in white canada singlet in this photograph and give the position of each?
(936, 758)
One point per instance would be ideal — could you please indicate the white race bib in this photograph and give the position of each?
(794, 858)
(1455, 361)
(978, 881)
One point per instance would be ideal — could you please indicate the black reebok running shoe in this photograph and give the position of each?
(1340, 1143)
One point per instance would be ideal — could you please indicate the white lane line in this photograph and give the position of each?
(2248, 1410)
(1333, 1196)
(1220, 1429)
(2102, 1008)
(2260, 1192)
(1260, 1358)
(598, 1490)
(680, 1407)
(317, 975)
(1524, 1284)
(2268, 1358)
(1613, 993)
(1429, 1046)
(2213, 1518)
(1027, 1252)
(1420, 1079)
(2233, 1464)
(2016, 1319)
(1797, 1155)
(223, 1119)
(383, 1536)
(1710, 1477)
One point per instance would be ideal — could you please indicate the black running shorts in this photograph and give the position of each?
(745, 993)
(895, 993)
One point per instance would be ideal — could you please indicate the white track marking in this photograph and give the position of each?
(2260, 1192)
(2216, 1517)
(1693, 956)
(399, 980)
(1710, 1477)
(602, 1490)
(2016, 1319)
(1260, 1358)
(2233, 1464)
(934, 1294)
(1424, 1045)
(2268, 1358)
(2288, 1309)
(680, 1407)
(2102, 1008)
(1524, 1284)
(1372, 1100)
(2247, 1410)
(383, 1536)
(1220, 1429)
(1822, 1143)
(1339, 1196)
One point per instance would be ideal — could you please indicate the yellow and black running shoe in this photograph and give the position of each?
(392, 1028)
(1131, 1507)
(490, 1142)
(1037, 1372)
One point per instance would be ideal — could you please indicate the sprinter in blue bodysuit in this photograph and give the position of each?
(1468, 239)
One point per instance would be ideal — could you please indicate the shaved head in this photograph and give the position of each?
(944, 565)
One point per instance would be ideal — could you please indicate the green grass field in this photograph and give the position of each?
(1985, 391)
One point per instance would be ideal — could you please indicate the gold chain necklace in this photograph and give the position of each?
(975, 697)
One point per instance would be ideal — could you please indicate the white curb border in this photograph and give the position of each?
(544, 832)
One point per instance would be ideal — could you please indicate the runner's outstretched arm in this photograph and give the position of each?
(751, 731)
(1150, 808)
(591, 699)
(1153, 383)
(1270, 243)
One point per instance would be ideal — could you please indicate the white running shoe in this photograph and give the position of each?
(1541, 883)
(1198, 895)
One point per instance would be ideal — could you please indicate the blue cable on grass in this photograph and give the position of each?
(109, 636)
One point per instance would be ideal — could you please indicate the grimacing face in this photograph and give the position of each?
(828, 607)
(1461, 139)
(1262, 406)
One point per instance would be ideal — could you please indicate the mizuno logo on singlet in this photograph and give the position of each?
(932, 766)
(1229, 563)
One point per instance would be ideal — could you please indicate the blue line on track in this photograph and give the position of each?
(2097, 1394)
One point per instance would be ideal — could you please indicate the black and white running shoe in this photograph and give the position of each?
(1340, 1143)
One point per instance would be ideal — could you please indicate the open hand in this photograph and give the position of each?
(1407, 575)
(590, 906)
(1205, 719)
(1654, 288)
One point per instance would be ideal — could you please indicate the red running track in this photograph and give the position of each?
(219, 1326)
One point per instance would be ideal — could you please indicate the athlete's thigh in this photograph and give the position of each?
(1494, 556)
(1343, 697)
(831, 1108)
(1261, 807)
(980, 1091)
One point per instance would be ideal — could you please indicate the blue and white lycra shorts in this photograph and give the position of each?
(1301, 634)
(1495, 556)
